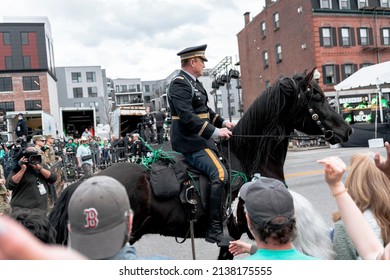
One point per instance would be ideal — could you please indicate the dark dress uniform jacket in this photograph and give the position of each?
(193, 122)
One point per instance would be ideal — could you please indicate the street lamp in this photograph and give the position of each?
(235, 74)
(221, 70)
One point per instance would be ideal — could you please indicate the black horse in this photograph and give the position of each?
(259, 145)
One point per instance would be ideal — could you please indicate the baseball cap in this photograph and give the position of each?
(98, 215)
(267, 200)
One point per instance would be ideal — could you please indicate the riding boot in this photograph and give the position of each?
(215, 231)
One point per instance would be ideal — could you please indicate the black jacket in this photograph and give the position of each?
(148, 119)
(26, 194)
(193, 122)
(160, 118)
(21, 128)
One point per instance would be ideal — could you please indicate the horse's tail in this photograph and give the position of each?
(58, 217)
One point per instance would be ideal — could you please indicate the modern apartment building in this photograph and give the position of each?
(127, 92)
(27, 67)
(84, 87)
(288, 36)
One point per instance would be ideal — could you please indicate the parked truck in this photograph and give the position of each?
(38, 122)
(76, 119)
(127, 119)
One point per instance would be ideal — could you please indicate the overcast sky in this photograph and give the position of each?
(138, 38)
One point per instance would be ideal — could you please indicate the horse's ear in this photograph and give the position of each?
(308, 78)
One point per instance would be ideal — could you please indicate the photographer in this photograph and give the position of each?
(29, 180)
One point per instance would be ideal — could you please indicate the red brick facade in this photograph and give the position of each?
(19, 95)
(300, 37)
(24, 53)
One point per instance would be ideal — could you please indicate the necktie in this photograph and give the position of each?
(198, 84)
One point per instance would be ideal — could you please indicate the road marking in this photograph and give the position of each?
(306, 173)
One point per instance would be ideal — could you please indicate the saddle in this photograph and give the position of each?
(177, 177)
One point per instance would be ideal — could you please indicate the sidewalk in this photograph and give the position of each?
(292, 148)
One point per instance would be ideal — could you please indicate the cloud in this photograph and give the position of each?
(138, 38)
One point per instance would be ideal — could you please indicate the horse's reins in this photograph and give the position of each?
(328, 134)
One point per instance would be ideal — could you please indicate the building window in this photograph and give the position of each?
(7, 106)
(364, 36)
(78, 92)
(385, 36)
(8, 62)
(326, 4)
(97, 120)
(278, 53)
(79, 104)
(147, 88)
(385, 3)
(95, 105)
(365, 65)
(92, 91)
(346, 38)
(123, 88)
(26, 62)
(276, 21)
(348, 70)
(31, 83)
(327, 36)
(6, 84)
(232, 111)
(344, 5)
(267, 84)
(6, 38)
(24, 38)
(76, 77)
(329, 74)
(33, 105)
(265, 59)
(362, 4)
(133, 88)
(91, 77)
(263, 29)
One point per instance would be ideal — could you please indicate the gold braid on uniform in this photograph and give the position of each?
(203, 128)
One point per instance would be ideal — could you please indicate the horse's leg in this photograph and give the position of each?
(236, 225)
(224, 253)
(140, 200)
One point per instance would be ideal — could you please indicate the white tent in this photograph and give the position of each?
(374, 76)
(370, 76)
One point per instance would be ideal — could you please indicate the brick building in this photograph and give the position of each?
(27, 68)
(288, 36)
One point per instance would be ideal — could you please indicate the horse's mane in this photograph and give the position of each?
(266, 121)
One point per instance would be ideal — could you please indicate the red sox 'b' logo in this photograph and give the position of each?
(91, 219)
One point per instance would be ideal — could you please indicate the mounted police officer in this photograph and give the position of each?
(194, 127)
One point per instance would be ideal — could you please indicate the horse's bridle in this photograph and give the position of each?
(328, 134)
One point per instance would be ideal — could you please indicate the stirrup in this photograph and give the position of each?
(190, 191)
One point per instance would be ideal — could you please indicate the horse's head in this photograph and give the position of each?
(316, 115)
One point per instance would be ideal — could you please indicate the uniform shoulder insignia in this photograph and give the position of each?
(178, 77)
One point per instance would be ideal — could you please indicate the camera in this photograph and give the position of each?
(31, 156)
